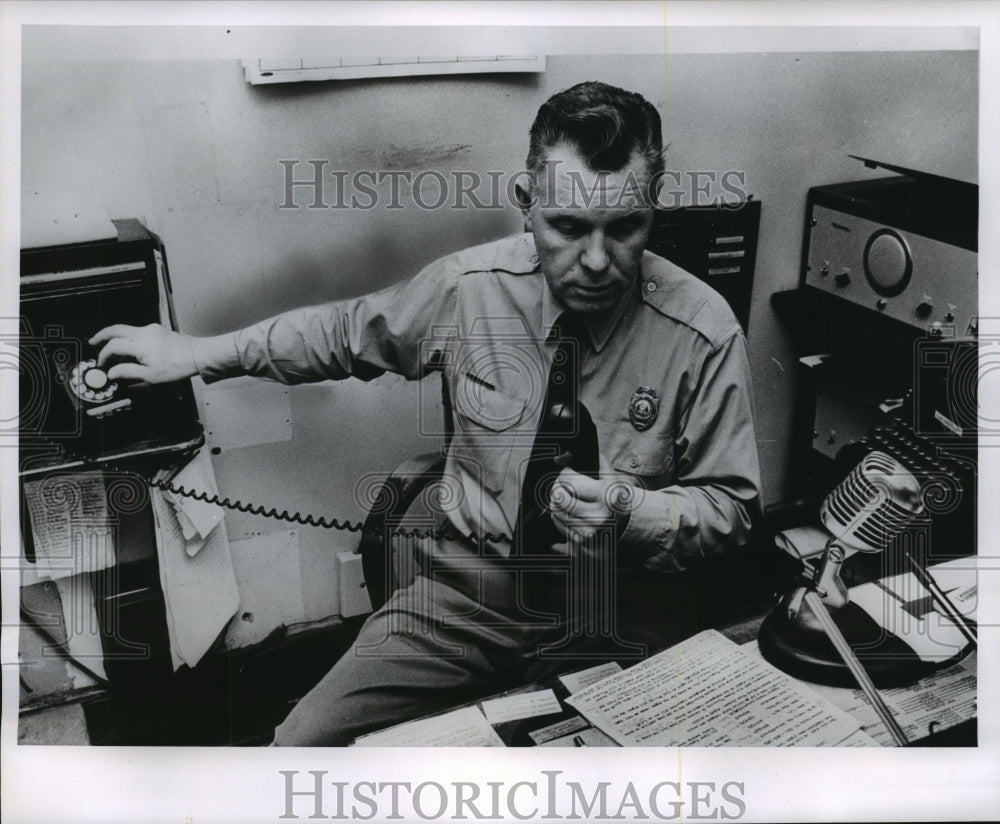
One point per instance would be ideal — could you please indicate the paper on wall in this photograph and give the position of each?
(69, 524)
(199, 588)
(197, 518)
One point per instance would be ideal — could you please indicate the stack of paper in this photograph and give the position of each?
(196, 572)
(196, 518)
(708, 692)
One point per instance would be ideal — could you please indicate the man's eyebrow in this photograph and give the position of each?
(572, 216)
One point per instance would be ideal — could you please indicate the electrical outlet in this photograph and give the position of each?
(354, 598)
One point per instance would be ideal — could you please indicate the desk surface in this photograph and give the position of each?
(569, 728)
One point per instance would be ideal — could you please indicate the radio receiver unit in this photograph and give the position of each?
(903, 246)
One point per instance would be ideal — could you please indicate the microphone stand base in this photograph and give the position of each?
(804, 651)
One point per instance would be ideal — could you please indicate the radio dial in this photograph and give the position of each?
(843, 279)
(887, 263)
(924, 309)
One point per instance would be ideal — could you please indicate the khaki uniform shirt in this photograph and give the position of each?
(482, 316)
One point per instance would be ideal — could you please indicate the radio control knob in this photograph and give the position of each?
(882, 303)
(887, 262)
(924, 308)
(842, 280)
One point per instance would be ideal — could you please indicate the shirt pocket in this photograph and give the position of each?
(483, 438)
(648, 456)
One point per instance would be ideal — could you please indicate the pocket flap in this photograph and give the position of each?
(486, 407)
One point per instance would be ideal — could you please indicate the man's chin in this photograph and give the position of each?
(598, 303)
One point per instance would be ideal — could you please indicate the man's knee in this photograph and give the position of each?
(347, 702)
(302, 728)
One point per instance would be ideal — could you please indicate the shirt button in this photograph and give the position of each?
(533, 260)
(650, 285)
(633, 461)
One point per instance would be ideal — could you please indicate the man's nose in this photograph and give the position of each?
(595, 256)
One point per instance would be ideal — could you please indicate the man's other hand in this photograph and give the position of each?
(145, 353)
(582, 506)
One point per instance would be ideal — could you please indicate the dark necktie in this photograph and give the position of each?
(566, 436)
(578, 593)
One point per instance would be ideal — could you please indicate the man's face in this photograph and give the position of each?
(590, 229)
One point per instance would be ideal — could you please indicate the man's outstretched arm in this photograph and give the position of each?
(363, 337)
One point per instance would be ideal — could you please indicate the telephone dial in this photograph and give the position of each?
(91, 385)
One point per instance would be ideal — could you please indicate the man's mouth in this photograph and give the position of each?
(595, 291)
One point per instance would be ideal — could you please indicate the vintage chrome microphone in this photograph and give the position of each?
(876, 501)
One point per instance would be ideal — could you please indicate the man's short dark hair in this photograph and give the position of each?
(605, 124)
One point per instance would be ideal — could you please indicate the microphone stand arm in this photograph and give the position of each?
(828, 583)
(828, 588)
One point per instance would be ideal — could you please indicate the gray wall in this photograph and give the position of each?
(193, 150)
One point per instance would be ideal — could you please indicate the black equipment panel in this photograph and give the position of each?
(716, 244)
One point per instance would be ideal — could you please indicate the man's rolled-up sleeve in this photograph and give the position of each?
(717, 496)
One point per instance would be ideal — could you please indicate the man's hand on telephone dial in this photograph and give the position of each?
(145, 353)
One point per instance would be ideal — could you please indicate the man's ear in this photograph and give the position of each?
(523, 197)
(657, 187)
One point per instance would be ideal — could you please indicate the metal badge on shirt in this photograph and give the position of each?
(643, 408)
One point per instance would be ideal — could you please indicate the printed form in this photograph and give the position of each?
(707, 692)
(70, 524)
(934, 703)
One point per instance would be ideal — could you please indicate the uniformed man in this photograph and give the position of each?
(659, 363)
